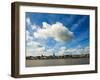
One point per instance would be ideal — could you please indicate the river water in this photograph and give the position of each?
(57, 62)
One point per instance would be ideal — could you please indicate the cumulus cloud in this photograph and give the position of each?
(48, 52)
(73, 51)
(28, 37)
(46, 25)
(30, 24)
(28, 21)
(62, 51)
(34, 49)
(57, 31)
(34, 27)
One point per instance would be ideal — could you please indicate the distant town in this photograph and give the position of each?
(43, 57)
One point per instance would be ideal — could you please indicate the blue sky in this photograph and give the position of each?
(77, 24)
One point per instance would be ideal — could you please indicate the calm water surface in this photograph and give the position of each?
(57, 62)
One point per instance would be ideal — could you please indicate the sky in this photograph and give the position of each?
(48, 33)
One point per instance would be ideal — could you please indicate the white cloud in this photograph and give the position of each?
(76, 25)
(33, 27)
(28, 37)
(28, 21)
(46, 25)
(57, 31)
(30, 24)
(34, 49)
(48, 52)
(73, 51)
